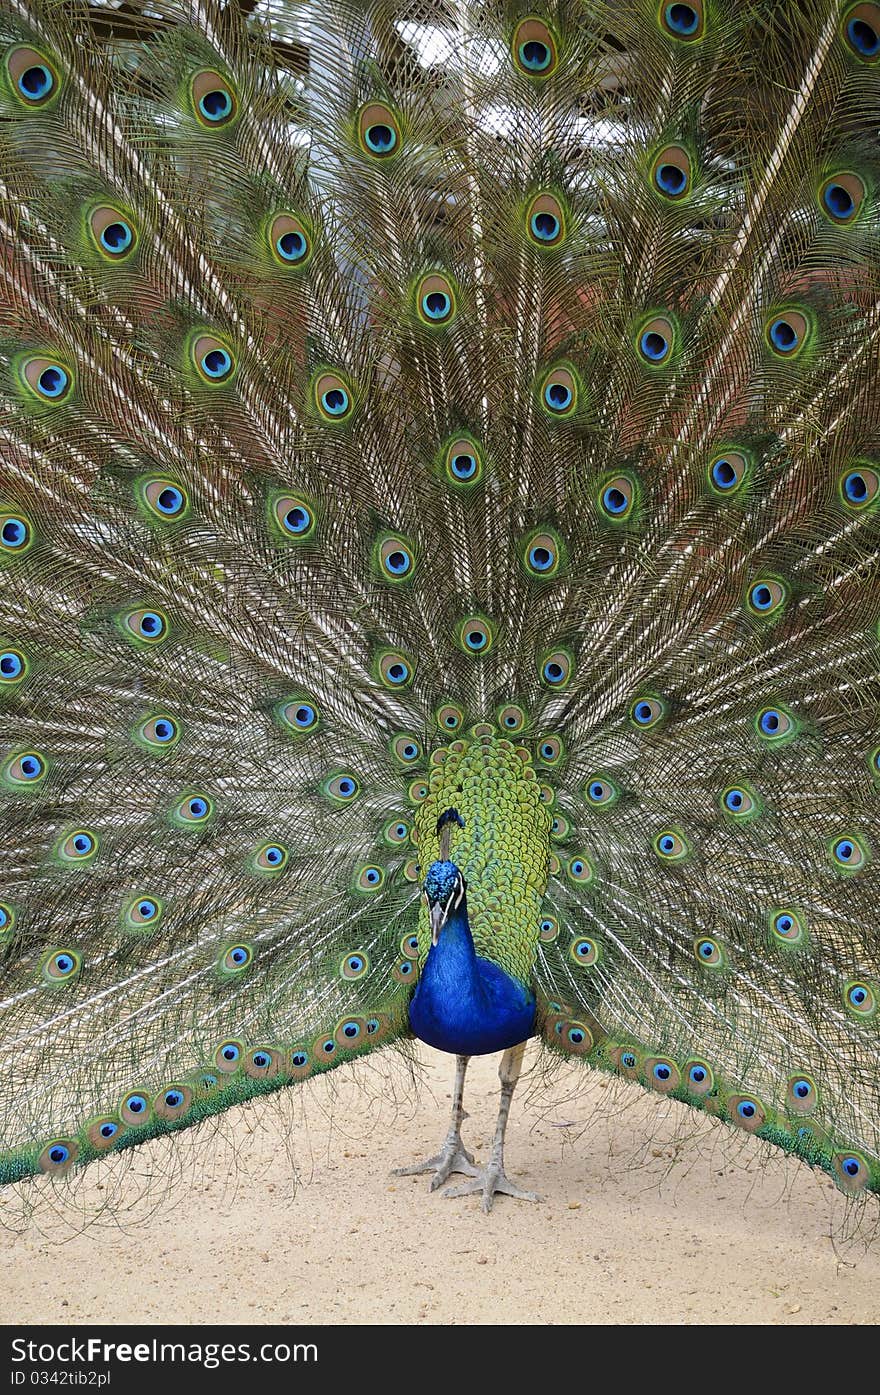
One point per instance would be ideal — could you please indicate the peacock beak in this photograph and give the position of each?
(439, 914)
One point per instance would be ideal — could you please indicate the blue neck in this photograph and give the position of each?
(465, 1004)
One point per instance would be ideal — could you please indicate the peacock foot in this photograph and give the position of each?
(491, 1181)
(453, 1157)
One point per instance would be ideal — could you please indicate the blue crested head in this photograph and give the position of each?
(444, 889)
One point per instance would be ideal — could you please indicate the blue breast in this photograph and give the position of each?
(465, 1004)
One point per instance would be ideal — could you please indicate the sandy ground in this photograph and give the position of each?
(678, 1229)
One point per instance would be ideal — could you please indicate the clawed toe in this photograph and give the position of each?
(449, 1160)
(491, 1181)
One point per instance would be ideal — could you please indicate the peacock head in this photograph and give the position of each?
(444, 893)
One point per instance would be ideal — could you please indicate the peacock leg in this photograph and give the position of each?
(453, 1156)
(492, 1178)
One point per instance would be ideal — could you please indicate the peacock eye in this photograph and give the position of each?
(13, 666)
(159, 733)
(841, 197)
(475, 635)
(541, 554)
(647, 711)
(227, 1057)
(559, 394)
(786, 333)
(289, 241)
(235, 959)
(727, 472)
(767, 595)
(146, 626)
(681, 21)
(787, 926)
(848, 853)
(739, 802)
(746, 1112)
(271, 857)
(369, 878)
(861, 30)
(801, 1094)
(860, 997)
(341, 788)
(534, 48)
(30, 768)
(671, 172)
(545, 221)
(548, 928)
(7, 919)
(79, 846)
(601, 792)
(708, 952)
(193, 810)
(142, 912)
(656, 340)
(556, 668)
(298, 715)
(396, 559)
(859, 488)
(47, 379)
(15, 533)
(113, 232)
(378, 131)
(213, 99)
(354, 965)
(578, 869)
(395, 670)
(584, 952)
(700, 1077)
(776, 724)
(670, 845)
(435, 298)
(511, 718)
(550, 750)
(463, 461)
(294, 518)
(165, 499)
(34, 79)
(332, 397)
(61, 966)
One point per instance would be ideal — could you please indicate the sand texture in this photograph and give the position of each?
(649, 1217)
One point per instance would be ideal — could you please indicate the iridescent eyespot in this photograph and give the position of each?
(172, 1101)
(27, 769)
(787, 927)
(213, 99)
(647, 711)
(851, 1171)
(395, 670)
(113, 232)
(662, 1074)
(417, 792)
(739, 802)
(548, 928)
(556, 668)
(135, 1108)
(102, 1133)
(584, 952)
(324, 1050)
(355, 965)
(369, 878)
(34, 78)
(294, 518)
(409, 946)
(601, 793)
(79, 846)
(708, 952)
(378, 131)
(261, 1063)
(559, 827)
(841, 197)
(341, 788)
(7, 919)
(463, 461)
(578, 869)
(406, 748)
(727, 472)
(541, 554)
(13, 666)
(227, 1057)
(786, 333)
(801, 1094)
(859, 488)
(766, 595)
(534, 48)
(213, 359)
(617, 498)
(559, 392)
(861, 30)
(848, 853)
(235, 959)
(332, 397)
(656, 340)
(146, 626)
(351, 1032)
(746, 1112)
(576, 1038)
(475, 635)
(775, 724)
(860, 997)
(396, 559)
(15, 533)
(550, 750)
(511, 718)
(684, 22)
(670, 845)
(626, 1060)
(58, 1157)
(545, 221)
(435, 299)
(194, 809)
(396, 831)
(299, 715)
(143, 913)
(271, 857)
(699, 1077)
(61, 966)
(48, 379)
(300, 1065)
(405, 971)
(671, 172)
(289, 241)
(160, 733)
(164, 498)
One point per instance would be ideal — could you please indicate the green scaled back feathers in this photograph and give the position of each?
(469, 406)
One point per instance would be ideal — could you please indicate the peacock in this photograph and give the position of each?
(439, 559)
